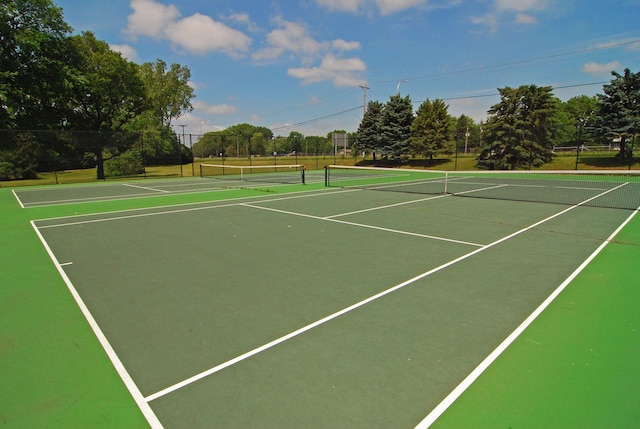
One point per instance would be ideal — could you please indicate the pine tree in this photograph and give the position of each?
(369, 134)
(618, 114)
(430, 129)
(518, 132)
(397, 117)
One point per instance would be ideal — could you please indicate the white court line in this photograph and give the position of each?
(386, 207)
(353, 307)
(145, 188)
(362, 225)
(155, 194)
(17, 198)
(213, 205)
(146, 410)
(106, 198)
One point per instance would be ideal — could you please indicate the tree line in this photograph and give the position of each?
(520, 132)
(246, 140)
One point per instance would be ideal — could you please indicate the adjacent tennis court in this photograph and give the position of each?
(320, 306)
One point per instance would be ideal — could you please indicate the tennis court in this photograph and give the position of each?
(314, 306)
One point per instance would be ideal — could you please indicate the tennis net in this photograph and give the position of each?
(285, 173)
(595, 188)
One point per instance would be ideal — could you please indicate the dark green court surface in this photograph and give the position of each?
(167, 304)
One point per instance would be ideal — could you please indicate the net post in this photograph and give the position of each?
(446, 182)
(326, 175)
(304, 182)
(201, 174)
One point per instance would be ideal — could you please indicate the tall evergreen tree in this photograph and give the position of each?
(518, 132)
(369, 133)
(430, 129)
(395, 127)
(618, 114)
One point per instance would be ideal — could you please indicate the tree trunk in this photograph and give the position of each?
(99, 165)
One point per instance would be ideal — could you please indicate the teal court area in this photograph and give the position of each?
(313, 306)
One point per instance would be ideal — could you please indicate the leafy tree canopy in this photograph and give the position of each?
(168, 91)
(33, 71)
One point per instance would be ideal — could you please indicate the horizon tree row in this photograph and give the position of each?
(521, 130)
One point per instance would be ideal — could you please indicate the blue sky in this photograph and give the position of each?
(299, 65)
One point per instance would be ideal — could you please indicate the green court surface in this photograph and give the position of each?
(185, 304)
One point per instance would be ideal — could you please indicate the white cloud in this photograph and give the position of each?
(219, 109)
(150, 18)
(523, 18)
(197, 34)
(245, 20)
(342, 72)
(489, 20)
(521, 5)
(343, 45)
(295, 40)
(521, 11)
(342, 5)
(597, 69)
(267, 54)
(385, 7)
(127, 51)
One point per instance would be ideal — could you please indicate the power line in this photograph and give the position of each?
(541, 60)
(310, 121)
(342, 112)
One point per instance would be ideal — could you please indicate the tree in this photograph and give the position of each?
(369, 134)
(168, 91)
(519, 128)
(395, 127)
(33, 82)
(430, 129)
(294, 142)
(618, 115)
(33, 70)
(107, 95)
(573, 120)
(466, 133)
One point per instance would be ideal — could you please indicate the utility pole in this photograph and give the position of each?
(364, 105)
